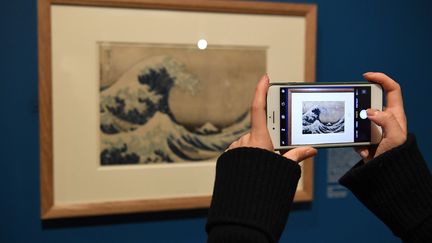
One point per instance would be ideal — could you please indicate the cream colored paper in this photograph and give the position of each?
(78, 176)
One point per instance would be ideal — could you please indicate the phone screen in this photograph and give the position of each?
(321, 115)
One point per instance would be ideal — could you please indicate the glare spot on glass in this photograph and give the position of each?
(202, 44)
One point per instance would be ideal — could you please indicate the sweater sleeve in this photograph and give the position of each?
(397, 187)
(252, 196)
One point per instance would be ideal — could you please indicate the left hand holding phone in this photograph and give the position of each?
(259, 136)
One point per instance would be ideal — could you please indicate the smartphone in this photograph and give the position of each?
(323, 114)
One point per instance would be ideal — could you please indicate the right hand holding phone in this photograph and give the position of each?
(392, 120)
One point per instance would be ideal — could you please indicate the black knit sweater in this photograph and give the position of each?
(254, 190)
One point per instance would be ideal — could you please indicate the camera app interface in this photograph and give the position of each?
(311, 115)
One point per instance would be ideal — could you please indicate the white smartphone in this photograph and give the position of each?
(323, 114)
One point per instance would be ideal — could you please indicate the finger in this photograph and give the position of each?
(259, 125)
(394, 98)
(301, 153)
(362, 151)
(394, 93)
(387, 121)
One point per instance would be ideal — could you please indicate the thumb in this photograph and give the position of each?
(258, 113)
(386, 120)
(301, 153)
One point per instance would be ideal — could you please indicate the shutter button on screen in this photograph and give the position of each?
(363, 114)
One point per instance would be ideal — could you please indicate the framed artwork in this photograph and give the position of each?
(138, 98)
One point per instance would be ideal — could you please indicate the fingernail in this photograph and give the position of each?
(364, 154)
(367, 73)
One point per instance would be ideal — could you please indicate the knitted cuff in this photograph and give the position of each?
(253, 188)
(396, 186)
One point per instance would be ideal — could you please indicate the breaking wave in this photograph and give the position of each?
(312, 124)
(138, 126)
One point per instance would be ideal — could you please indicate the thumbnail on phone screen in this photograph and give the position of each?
(324, 115)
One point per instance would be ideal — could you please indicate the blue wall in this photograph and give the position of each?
(353, 37)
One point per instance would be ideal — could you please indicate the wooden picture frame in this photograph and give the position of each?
(54, 208)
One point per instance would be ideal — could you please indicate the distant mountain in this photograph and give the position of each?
(207, 128)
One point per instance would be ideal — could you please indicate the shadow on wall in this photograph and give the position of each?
(123, 219)
(139, 217)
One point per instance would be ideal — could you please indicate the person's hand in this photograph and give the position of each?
(392, 120)
(259, 136)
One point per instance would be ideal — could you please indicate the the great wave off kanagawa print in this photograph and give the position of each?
(323, 117)
(169, 104)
